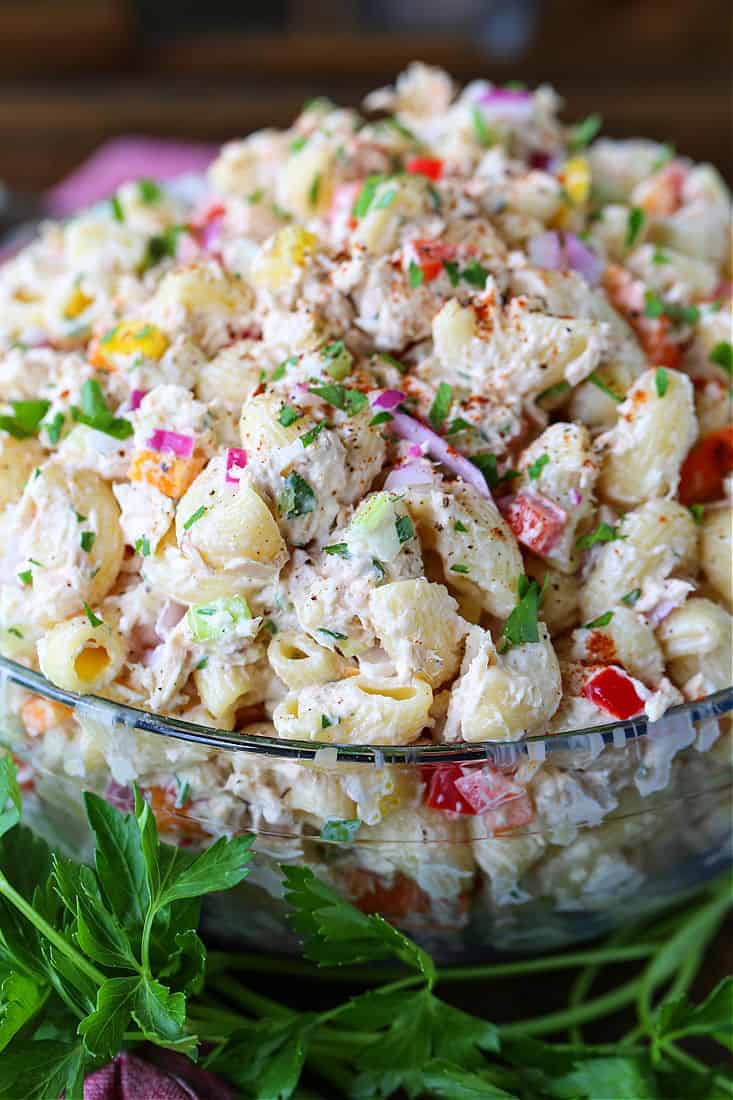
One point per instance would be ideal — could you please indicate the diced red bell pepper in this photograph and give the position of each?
(613, 691)
(402, 897)
(430, 256)
(486, 788)
(659, 348)
(707, 464)
(432, 167)
(536, 521)
(441, 792)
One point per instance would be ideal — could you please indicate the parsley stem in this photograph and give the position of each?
(247, 998)
(50, 933)
(582, 985)
(695, 1066)
(566, 1018)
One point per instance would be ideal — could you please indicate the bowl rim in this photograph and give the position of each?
(593, 738)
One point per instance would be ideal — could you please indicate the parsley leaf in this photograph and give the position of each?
(54, 428)
(537, 466)
(441, 405)
(142, 546)
(195, 517)
(522, 625)
(631, 597)
(604, 532)
(634, 225)
(336, 829)
(94, 620)
(288, 415)
(601, 385)
(161, 246)
(661, 381)
(583, 132)
(149, 191)
(116, 207)
(415, 275)
(487, 464)
(557, 390)
(602, 620)
(338, 549)
(87, 540)
(481, 131)
(697, 511)
(312, 434)
(296, 498)
(405, 528)
(95, 413)
(26, 419)
(366, 195)
(349, 401)
(475, 275)
(722, 356)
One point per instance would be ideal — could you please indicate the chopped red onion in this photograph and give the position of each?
(236, 462)
(388, 399)
(120, 797)
(414, 451)
(169, 618)
(510, 104)
(660, 611)
(416, 432)
(135, 398)
(576, 496)
(583, 259)
(550, 250)
(175, 442)
(417, 472)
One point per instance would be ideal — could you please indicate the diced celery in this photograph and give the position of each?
(210, 621)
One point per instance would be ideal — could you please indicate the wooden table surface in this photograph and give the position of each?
(653, 67)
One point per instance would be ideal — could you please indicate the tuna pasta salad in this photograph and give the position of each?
(406, 426)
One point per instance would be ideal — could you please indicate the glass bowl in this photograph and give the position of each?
(542, 842)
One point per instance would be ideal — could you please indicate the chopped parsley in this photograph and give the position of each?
(298, 143)
(270, 626)
(459, 568)
(631, 597)
(488, 466)
(458, 526)
(557, 390)
(655, 307)
(365, 198)
(602, 620)
(475, 275)
(95, 413)
(326, 722)
(481, 131)
(392, 362)
(604, 532)
(296, 498)
(26, 577)
(256, 196)
(87, 540)
(350, 401)
(195, 517)
(536, 468)
(452, 271)
(339, 360)
(160, 246)
(634, 225)
(26, 419)
(54, 427)
(722, 356)
(661, 381)
(459, 425)
(582, 133)
(380, 418)
(697, 511)
(314, 189)
(379, 568)
(279, 371)
(415, 275)
(148, 190)
(522, 625)
(659, 257)
(338, 549)
(335, 634)
(441, 405)
(183, 793)
(434, 196)
(142, 546)
(312, 434)
(94, 620)
(601, 385)
(15, 631)
(405, 529)
(116, 207)
(288, 415)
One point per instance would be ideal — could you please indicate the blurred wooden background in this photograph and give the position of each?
(74, 72)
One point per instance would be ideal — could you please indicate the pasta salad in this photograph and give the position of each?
(414, 426)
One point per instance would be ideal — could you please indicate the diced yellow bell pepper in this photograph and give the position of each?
(129, 338)
(281, 255)
(167, 472)
(76, 303)
(576, 179)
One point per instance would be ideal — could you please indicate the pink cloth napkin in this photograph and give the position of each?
(128, 1077)
(123, 159)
